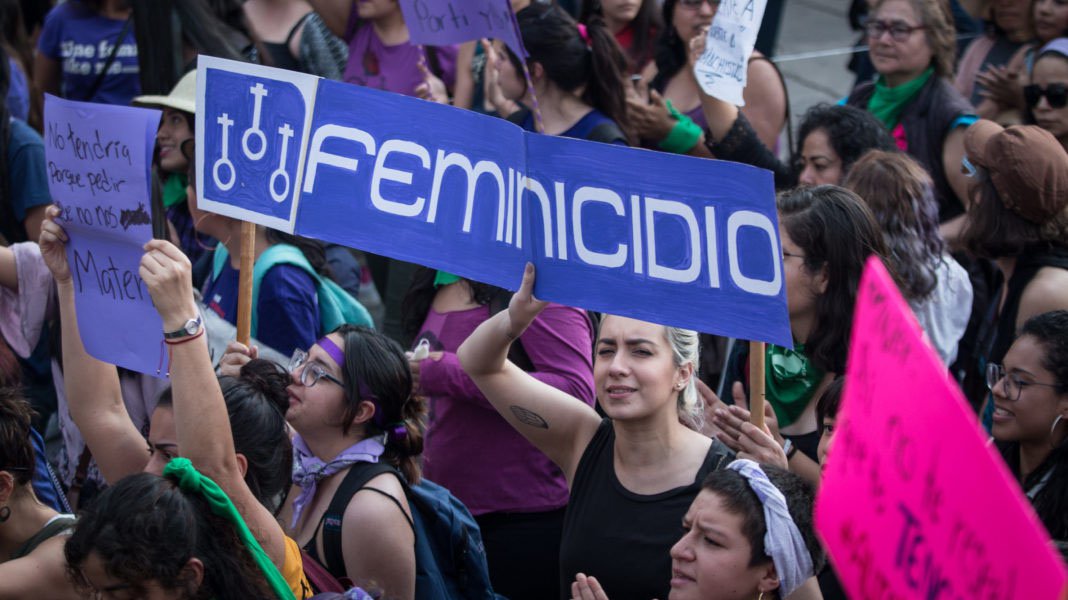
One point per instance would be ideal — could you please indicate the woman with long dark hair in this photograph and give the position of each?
(827, 235)
(176, 536)
(578, 72)
(634, 23)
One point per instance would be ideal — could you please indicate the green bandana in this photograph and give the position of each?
(174, 189)
(442, 279)
(191, 481)
(888, 102)
(790, 381)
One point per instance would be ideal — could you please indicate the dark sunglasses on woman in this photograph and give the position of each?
(1056, 94)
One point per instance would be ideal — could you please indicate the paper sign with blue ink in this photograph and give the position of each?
(672, 239)
(721, 70)
(99, 158)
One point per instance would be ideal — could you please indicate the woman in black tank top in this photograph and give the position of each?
(632, 475)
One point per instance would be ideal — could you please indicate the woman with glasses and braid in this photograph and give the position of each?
(1030, 398)
(1047, 93)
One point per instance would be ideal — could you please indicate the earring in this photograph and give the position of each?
(5, 513)
(1053, 428)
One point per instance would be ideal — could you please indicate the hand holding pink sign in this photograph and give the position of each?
(914, 502)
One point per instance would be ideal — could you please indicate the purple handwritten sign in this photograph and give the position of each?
(98, 171)
(443, 22)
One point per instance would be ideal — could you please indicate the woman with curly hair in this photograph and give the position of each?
(901, 196)
(174, 537)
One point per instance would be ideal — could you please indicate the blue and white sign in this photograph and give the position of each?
(670, 239)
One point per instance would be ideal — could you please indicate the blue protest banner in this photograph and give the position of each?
(443, 22)
(98, 165)
(671, 239)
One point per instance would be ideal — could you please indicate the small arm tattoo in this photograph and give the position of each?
(528, 417)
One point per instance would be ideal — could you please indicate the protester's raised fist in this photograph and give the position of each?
(53, 243)
(524, 307)
(168, 276)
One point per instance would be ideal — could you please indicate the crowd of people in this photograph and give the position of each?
(580, 455)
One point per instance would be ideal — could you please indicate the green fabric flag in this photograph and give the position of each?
(174, 189)
(790, 381)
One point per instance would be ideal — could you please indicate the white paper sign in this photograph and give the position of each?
(721, 69)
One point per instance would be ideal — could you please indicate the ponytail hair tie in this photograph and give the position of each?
(397, 432)
(584, 33)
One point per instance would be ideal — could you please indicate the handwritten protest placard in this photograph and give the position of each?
(914, 503)
(613, 229)
(443, 22)
(98, 171)
(721, 70)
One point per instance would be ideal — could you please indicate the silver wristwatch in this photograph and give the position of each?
(191, 327)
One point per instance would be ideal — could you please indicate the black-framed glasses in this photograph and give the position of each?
(899, 31)
(1056, 94)
(1012, 385)
(311, 372)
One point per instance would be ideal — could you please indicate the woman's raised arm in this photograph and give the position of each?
(94, 395)
(559, 424)
(201, 420)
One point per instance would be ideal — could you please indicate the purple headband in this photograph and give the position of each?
(332, 351)
(395, 431)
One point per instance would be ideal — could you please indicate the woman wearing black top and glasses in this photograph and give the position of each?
(1030, 394)
(1047, 94)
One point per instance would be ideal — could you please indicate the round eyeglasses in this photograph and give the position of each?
(1012, 385)
(310, 372)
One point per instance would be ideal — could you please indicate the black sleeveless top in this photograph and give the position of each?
(620, 537)
(281, 57)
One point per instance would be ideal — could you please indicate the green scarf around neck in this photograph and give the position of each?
(174, 189)
(790, 380)
(887, 102)
(192, 481)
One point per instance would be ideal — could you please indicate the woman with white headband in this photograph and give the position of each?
(748, 535)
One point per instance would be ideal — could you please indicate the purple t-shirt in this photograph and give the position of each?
(469, 447)
(392, 68)
(81, 40)
(287, 312)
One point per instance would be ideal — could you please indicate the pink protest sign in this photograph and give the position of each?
(914, 503)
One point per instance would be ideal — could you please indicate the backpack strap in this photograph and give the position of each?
(330, 525)
(275, 254)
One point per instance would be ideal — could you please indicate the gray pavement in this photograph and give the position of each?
(812, 52)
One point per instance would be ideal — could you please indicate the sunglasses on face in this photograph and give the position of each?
(698, 3)
(1056, 94)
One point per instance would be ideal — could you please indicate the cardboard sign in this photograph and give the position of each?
(446, 22)
(671, 239)
(721, 70)
(99, 158)
(914, 503)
